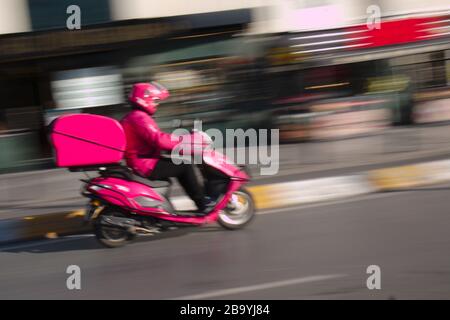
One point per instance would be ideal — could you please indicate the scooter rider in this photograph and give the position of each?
(145, 141)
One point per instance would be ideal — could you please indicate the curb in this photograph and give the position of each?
(266, 197)
(48, 226)
(417, 175)
(378, 180)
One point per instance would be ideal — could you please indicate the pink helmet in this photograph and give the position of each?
(148, 95)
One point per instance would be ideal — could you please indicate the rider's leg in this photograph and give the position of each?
(185, 175)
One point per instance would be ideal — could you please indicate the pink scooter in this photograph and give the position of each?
(123, 204)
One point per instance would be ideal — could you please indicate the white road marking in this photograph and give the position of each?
(263, 286)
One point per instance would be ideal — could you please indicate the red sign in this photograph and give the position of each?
(394, 32)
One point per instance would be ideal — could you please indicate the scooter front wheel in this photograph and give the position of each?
(111, 236)
(239, 211)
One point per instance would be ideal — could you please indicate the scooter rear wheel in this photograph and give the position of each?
(239, 212)
(110, 236)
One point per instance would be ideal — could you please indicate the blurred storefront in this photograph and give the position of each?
(349, 68)
(312, 68)
(53, 71)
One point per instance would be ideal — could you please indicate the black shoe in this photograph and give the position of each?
(207, 206)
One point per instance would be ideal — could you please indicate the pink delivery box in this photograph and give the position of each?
(86, 140)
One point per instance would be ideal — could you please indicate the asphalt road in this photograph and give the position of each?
(319, 251)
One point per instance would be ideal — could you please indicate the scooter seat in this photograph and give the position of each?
(160, 186)
(151, 183)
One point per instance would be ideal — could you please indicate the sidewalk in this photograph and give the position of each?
(48, 191)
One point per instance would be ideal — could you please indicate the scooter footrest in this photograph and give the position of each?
(189, 214)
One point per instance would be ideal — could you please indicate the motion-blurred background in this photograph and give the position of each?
(359, 89)
(318, 70)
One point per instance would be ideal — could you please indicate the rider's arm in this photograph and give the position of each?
(160, 139)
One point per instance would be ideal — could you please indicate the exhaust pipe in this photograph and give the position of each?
(131, 225)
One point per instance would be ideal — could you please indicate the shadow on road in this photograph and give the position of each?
(88, 242)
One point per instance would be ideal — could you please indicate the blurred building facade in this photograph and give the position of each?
(312, 68)
(47, 70)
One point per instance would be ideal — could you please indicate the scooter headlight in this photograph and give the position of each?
(99, 187)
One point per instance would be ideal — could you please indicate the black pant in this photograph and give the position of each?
(185, 175)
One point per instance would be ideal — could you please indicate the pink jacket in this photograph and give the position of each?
(145, 141)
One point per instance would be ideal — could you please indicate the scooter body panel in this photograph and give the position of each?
(127, 194)
(222, 163)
